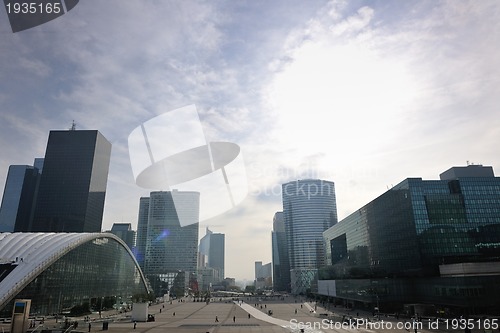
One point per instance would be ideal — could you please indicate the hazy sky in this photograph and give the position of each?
(362, 93)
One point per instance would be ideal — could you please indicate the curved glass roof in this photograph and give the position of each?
(24, 256)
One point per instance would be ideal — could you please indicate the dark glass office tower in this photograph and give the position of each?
(73, 183)
(19, 198)
(281, 264)
(142, 231)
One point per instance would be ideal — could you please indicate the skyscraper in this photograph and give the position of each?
(125, 233)
(281, 264)
(212, 248)
(73, 183)
(19, 198)
(309, 208)
(171, 249)
(263, 275)
(142, 231)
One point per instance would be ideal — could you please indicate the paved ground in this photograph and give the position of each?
(251, 315)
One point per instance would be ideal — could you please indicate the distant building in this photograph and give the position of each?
(171, 249)
(229, 282)
(73, 183)
(207, 277)
(212, 252)
(309, 208)
(434, 242)
(211, 260)
(19, 198)
(281, 264)
(263, 276)
(142, 231)
(125, 233)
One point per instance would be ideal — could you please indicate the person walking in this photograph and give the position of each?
(90, 326)
(216, 319)
(234, 319)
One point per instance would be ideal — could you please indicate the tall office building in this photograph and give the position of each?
(309, 208)
(19, 198)
(125, 233)
(212, 247)
(38, 163)
(434, 242)
(263, 276)
(142, 231)
(211, 254)
(73, 183)
(171, 249)
(217, 252)
(281, 264)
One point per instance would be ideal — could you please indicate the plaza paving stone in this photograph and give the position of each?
(251, 315)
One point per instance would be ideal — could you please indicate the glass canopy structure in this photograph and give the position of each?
(61, 271)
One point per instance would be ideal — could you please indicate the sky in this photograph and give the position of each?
(361, 93)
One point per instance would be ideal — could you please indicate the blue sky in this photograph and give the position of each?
(362, 93)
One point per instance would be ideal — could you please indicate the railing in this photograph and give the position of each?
(36, 328)
(69, 329)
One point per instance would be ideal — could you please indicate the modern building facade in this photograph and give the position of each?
(434, 242)
(67, 272)
(125, 233)
(73, 183)
(309, 208)
(212, 250)
(207, 278)
(171, 249)
(263, 276)
(19, 198)
(280, 263)
(142, 231)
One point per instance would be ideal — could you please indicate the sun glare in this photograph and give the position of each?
(346, 92)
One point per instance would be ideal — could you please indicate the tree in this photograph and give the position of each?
(250, 289)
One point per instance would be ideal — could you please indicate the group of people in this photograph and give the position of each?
(33, 323)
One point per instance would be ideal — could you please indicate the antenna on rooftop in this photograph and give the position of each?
(73, 126)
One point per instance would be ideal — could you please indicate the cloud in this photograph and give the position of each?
(361, 93)
(34, 66)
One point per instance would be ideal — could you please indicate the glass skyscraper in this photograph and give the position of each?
(142, 231)
(125, 233)
(73, 182)
(281, 264)
(212, 255)
(423, 241)
(171, 249)
(309, 208)
(19, 198)
(212, 245)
